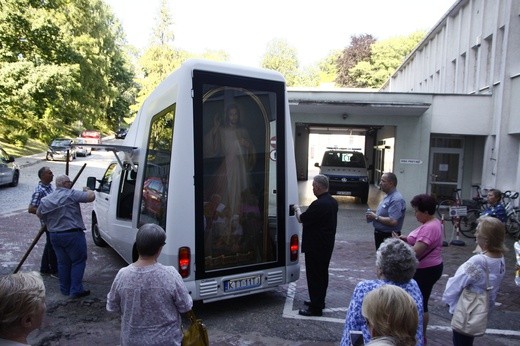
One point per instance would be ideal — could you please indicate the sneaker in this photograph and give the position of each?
(80, 294)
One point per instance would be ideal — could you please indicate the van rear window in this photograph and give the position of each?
(343, 159)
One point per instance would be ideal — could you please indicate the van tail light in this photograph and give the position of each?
(293, 247)
(184, 261)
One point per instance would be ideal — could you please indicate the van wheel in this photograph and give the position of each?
(364, 199)
(96, 236)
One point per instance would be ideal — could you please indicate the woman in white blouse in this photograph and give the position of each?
(490, 236)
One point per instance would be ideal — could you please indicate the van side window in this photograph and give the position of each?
(154, 199)
(106, 182)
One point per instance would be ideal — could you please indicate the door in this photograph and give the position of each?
(103, 199)
(241, 142)
(445, 171)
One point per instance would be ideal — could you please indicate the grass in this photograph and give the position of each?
(31, 147)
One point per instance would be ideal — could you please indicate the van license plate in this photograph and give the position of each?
(242, 283)
(345, 193)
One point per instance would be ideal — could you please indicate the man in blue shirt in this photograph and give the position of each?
(389, 216)
(49, 264)
(61, 213)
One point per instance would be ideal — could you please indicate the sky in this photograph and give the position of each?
(243, 28)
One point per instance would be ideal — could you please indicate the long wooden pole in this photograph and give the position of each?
(42, 229)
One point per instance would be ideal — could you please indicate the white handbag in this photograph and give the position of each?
(471, 312)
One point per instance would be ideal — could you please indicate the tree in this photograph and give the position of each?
(328, 68)
(160, 58)
(386, 57)
(162, 33)
(280, 56)
(357, 51)
(63, 64)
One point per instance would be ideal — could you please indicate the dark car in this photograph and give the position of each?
(121, 133)
(58, 149)
(9, 171)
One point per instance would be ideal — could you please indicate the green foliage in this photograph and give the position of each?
(160, 58)
(358, 51)
(328, 69)
(61, 62)
(386, 57)
(156, 64)
(280, 56)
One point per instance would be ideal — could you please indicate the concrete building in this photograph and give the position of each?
(449, 117)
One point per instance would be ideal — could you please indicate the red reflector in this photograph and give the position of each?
(293, 247)
(184, 261)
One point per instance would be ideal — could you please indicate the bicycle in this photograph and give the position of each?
(479, 201)
(463, 218)
(513, 215)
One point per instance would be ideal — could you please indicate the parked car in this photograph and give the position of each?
(9, 171)
(58, 149)
(347, 172)
(91, 136)
(121, 133)
(154, 197)
(81, 148)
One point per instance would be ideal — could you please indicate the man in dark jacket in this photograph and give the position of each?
(319, 232)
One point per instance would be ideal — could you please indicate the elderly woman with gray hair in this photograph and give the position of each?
(22, 307)
(149, 295)
(396, 264)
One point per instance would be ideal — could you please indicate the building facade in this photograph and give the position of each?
(448, 118)
(474, 50)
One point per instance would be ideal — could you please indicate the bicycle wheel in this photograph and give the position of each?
(513, 226)
(443, 209)
(468, 223)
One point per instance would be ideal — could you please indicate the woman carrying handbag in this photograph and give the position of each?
(479, 276)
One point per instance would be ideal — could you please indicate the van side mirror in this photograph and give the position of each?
(317, 164)
(91, 183)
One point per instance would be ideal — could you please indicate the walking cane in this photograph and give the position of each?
(43, 229)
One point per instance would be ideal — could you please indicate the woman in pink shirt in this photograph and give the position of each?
(426, 241)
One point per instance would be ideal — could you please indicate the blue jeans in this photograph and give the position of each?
(49, 263)
(71, 251)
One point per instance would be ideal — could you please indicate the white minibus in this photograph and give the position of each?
(210, 158)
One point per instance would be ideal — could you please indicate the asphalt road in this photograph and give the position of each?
(263, 319)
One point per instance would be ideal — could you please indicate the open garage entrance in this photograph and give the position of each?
(311, 141)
